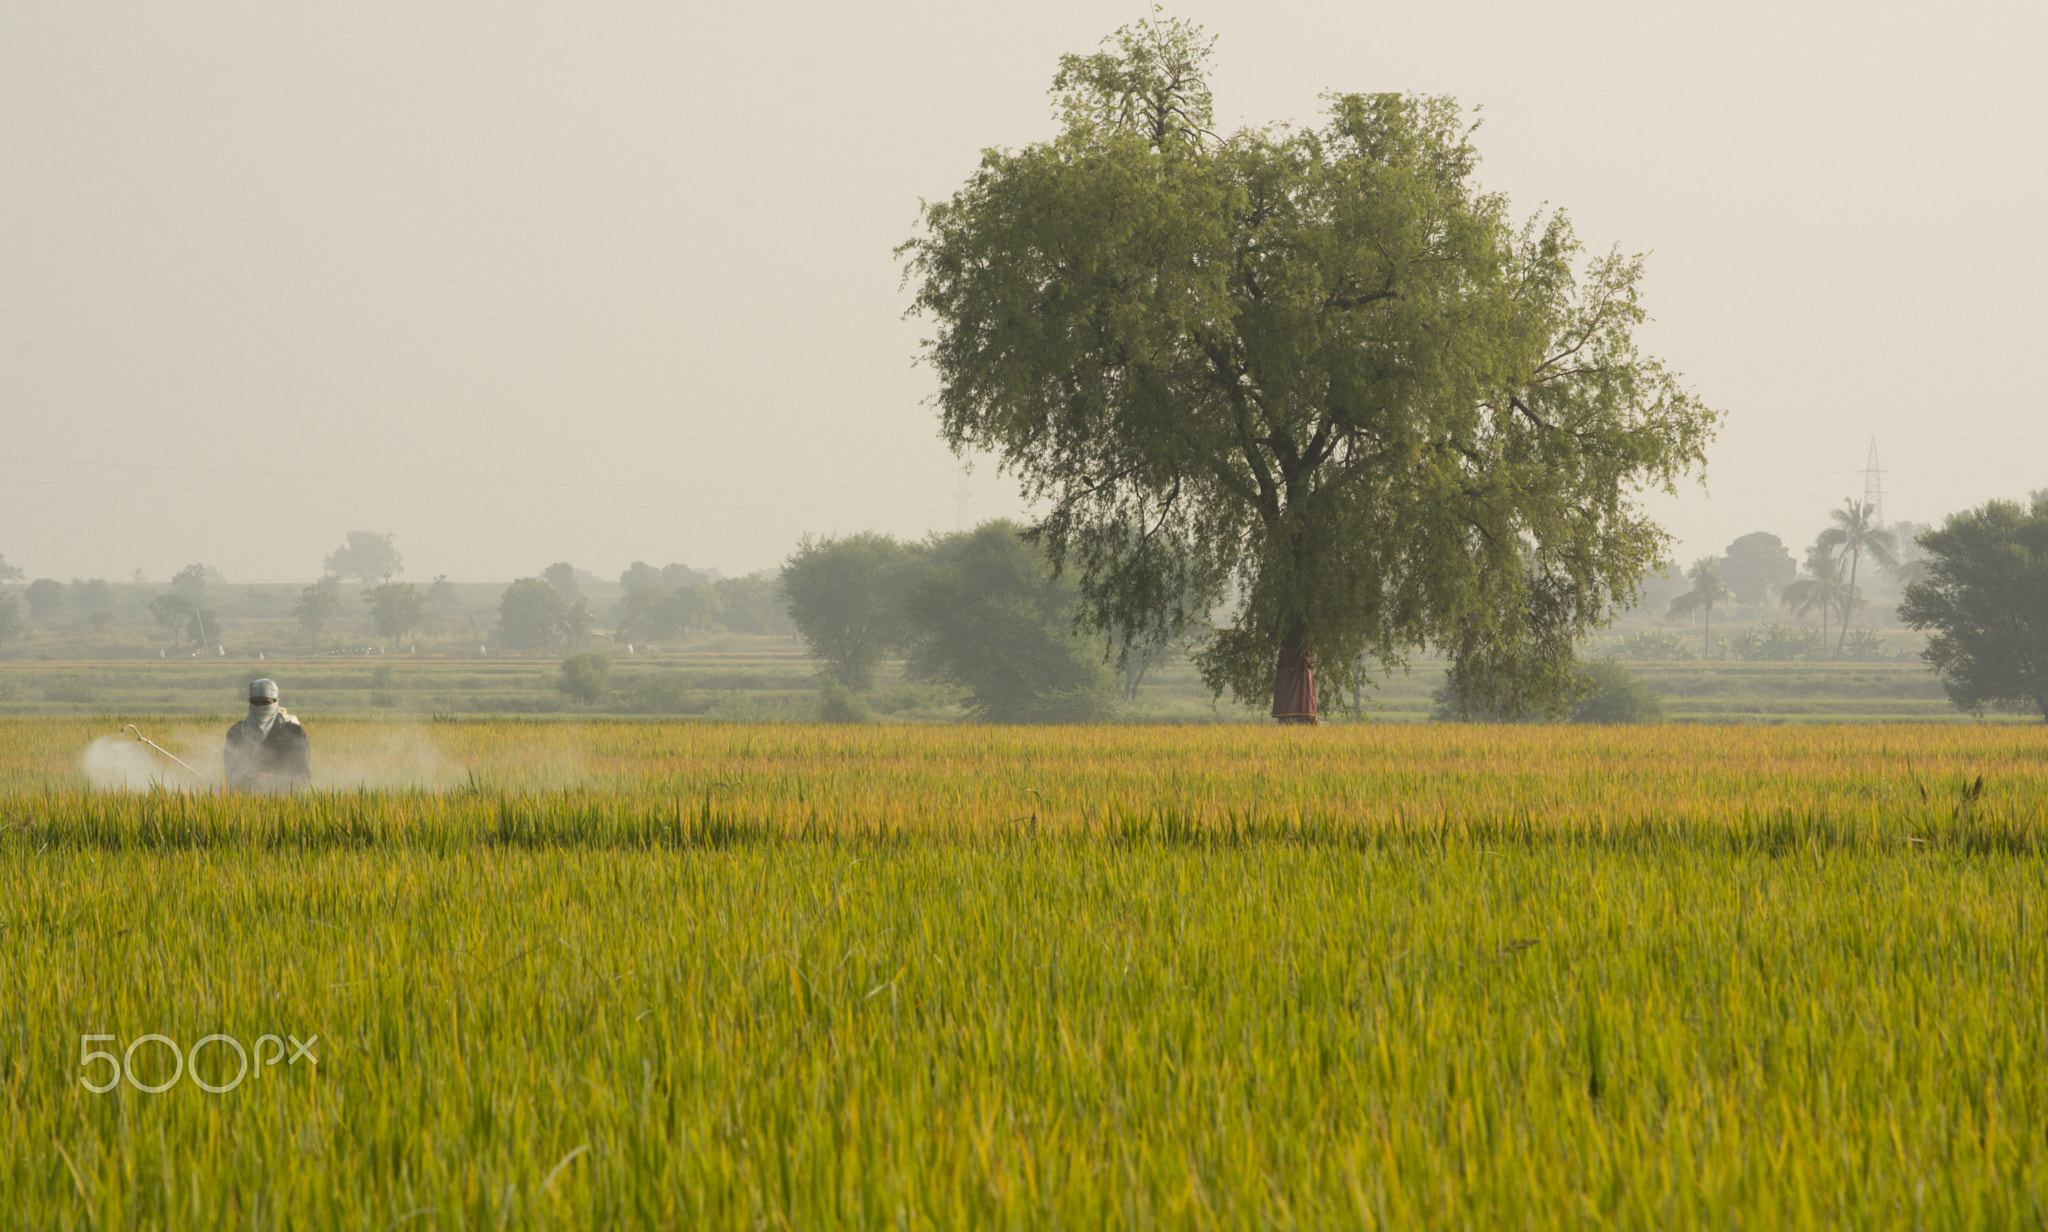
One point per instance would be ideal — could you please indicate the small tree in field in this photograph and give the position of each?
(396, 608)
(586, 677)
(316, 605)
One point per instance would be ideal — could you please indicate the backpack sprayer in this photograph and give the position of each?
(166, 752)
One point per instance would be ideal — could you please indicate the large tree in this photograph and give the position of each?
(1319, 366)
(1985, 599)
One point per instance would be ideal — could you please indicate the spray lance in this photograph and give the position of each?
(166, 752)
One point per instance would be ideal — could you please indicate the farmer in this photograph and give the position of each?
(268, 750)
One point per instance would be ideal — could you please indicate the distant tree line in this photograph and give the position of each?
(985, 612)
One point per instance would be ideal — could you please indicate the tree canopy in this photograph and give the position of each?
(396, 608)
(367, 556)
(1985, 599)
(1758, 567)
(844, 594)
(1318, 367)
(986, 613)
(533, 615)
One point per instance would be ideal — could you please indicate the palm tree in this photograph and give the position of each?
(1855, 532)
(1707, 590)
(1823, 587)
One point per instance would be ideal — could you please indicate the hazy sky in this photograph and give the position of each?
(524, 283)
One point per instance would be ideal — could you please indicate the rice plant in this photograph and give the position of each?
(727, 975)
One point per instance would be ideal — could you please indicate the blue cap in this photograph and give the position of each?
(263, 688)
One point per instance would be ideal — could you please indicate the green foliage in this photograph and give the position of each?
(671, 601)
(396, 608)
(988, 615)
(1616, 697)
(45, 598)
(845, 596)
(10, 618)
(533, 615)
(91, 598)
(839, 704)
(441, 595)
(1465, 696)
(1757, 567)
(316, 605)
(664, 691)
(191, 582)
(1778, 644)
(1320, 364)
(1706, 593)
(1855, 534)
(1601, 691)
(752, 605)
(585, 677)
(651, 612)
(366, 556)
(182, 612)
(1825, 588)
(1652, 645)
(11, 573)
(562, 576)
(1985, 602)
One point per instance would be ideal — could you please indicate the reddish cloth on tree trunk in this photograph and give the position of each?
(1294, 688)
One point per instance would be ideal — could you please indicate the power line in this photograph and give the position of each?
(442, 481)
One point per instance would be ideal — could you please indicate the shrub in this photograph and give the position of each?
(1653, 645)
(839, 704)
(586, 676)
(1617, 697)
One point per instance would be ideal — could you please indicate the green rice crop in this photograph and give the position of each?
(710, 975)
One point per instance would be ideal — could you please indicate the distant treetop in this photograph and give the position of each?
(367, 557)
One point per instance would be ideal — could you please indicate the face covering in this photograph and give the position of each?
(260, 720)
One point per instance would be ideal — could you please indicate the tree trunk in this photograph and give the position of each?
(1848, 603)
(1294, 687)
